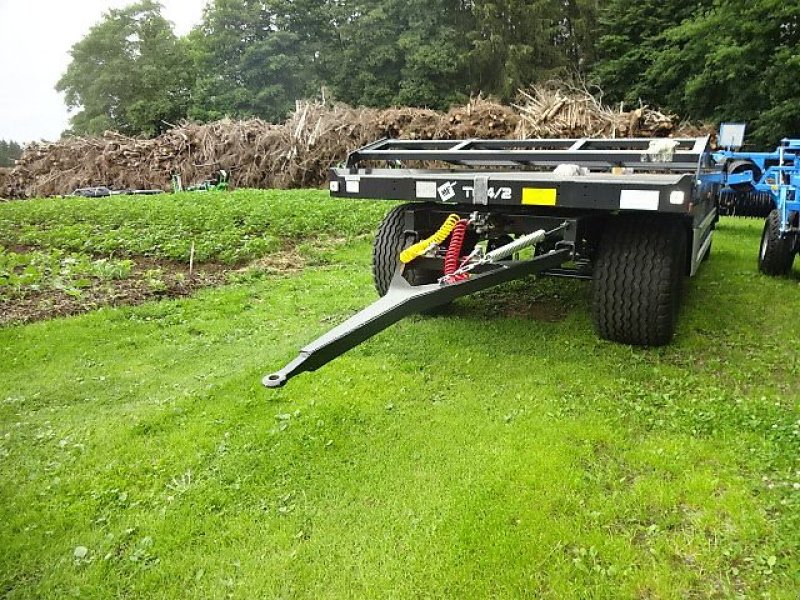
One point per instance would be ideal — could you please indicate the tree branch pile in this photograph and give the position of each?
(299, 152)
(558, 111)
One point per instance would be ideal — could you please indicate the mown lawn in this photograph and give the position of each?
(501, 451)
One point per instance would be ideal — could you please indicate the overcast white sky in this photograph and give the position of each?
(35, 38)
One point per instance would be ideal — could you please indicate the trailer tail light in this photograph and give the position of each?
(677, 197)
(426, 190)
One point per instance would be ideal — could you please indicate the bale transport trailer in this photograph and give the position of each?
(635, 216)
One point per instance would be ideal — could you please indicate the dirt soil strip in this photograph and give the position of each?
(173, 281)
(150, 280)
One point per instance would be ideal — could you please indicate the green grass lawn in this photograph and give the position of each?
(501, 451)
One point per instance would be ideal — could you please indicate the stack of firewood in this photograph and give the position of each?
(482, 119)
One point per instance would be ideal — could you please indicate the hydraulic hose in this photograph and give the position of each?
(475, 260)
(421, 247)
(452, 260)
(453, 256)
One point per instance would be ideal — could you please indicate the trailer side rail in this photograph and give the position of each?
(588, 152)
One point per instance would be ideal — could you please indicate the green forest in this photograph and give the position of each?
(9, 152)
(709, 60)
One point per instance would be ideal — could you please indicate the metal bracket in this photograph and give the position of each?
(480, 190)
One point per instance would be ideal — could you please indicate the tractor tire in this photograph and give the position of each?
(389, 242)
(776, 253)
(638, 280)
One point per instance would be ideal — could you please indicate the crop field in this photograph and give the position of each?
(498, 451)
(65, 257)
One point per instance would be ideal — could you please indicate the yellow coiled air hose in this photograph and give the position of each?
(421, 247)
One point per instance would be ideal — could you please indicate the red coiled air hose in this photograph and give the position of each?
(452, 259)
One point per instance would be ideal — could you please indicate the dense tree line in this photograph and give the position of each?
(9, 152)
(735, 60)
(705, 59)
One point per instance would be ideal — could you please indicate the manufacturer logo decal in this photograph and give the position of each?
(447, 191)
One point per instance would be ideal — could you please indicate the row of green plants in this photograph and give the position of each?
(230, 228)
(23, 272)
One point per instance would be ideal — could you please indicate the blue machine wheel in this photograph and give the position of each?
(777, 251)
(738, 167)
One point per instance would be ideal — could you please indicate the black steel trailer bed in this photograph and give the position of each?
(633, 215)
(594, 191)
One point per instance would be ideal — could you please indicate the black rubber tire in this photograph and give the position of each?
(389, 242)
(776, 253)
(638, 280)
(740, 166)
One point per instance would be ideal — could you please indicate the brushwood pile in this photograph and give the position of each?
(316, 136)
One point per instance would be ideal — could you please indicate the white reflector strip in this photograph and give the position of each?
(352, 186)
(639, 199)
(426, 189)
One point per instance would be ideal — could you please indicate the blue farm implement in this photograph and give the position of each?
(774, 177)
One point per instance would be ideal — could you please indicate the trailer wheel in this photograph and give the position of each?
(638, 279)
(389, 242)
(776, 253)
